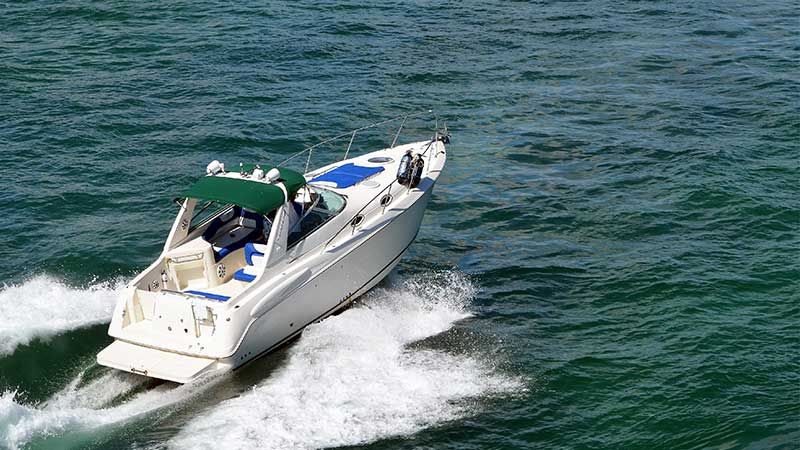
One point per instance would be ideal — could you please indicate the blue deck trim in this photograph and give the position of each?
(222, 298)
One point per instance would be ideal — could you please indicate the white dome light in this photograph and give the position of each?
(215, 167)
(273, 175)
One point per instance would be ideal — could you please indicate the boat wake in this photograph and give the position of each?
(43, 307)
(81, 410)
(353, 378)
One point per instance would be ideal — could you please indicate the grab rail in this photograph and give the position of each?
(388, 187)
(352, 135)
(349, 222)
(438, 133)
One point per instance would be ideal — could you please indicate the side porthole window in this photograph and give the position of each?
(357, 220)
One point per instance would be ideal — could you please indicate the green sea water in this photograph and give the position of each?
(610, 260)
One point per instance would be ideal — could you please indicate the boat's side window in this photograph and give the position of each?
(325, 205)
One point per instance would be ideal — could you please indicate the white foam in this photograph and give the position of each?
(43, 307)
(352, 379)
(96, 393)
(79, 408)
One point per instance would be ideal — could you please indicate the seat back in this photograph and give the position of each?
(219, 222)
(250, 219)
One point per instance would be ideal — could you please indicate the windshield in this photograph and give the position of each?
(323, 205)
(330, 202)
(205, 211)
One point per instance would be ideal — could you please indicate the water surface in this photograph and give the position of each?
(610, 260)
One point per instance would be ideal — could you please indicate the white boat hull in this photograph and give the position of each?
(334, 289)
(164, 334)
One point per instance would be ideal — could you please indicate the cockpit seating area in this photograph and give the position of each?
(232, 230)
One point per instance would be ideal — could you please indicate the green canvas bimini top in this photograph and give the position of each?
(254, 195)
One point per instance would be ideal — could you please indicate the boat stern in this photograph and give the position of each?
(156, 363)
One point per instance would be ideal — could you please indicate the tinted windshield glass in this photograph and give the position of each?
(330, 201)
(204, 211)
(326, 204)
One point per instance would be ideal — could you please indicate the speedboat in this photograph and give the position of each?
(258, 253)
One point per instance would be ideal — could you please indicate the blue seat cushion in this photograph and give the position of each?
(222, 298)
(217, 224)
(242, 276)
(232, 247)
(347, 175)
(250, 251)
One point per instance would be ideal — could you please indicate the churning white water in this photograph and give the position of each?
(82, 407)
(43, 306)
(352, 378)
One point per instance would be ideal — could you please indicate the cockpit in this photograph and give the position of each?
(226, 246)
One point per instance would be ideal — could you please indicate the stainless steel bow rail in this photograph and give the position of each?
(354, 223)
(439, 133)
(352, 135)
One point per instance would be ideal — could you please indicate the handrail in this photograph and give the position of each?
(352, 134)
(394, 141)
(352, 138)
(349, 221)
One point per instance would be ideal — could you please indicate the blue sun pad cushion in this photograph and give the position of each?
(222, 298)
(242, 276)
(347, 175)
